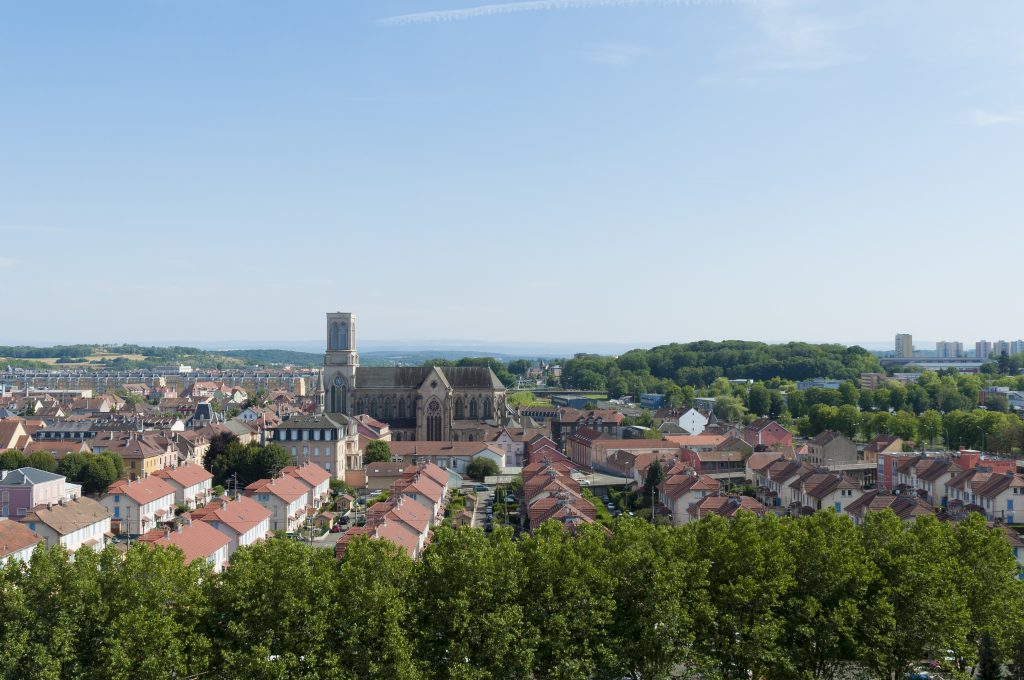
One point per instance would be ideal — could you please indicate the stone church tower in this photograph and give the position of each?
(340, 362)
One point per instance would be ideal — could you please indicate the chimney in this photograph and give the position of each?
(167, 533)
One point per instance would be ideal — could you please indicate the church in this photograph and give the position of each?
(418, 403)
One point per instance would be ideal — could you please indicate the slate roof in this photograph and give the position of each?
(412, 377)
(28, 476)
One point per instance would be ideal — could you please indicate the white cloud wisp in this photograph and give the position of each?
(533, 6)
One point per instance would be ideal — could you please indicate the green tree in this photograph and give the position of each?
(655, 476)
(11, 460)
(903, 424)
(370, 624)
(41, 460)
(929, 425)
(824, 613)
(914, 605)
(849, 392)
(989, 666)
(272, 613)
(155, 602)
(99, 473)
(752, 575)
(377, 451)
(759, 399)
(73, 466)
(847, 420)
(661, 596)
(467, 611)
(571, 643)
(481, 467)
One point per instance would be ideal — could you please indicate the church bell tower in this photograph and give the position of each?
(340, 362)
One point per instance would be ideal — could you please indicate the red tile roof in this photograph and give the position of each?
(185, 475)
(286, 488)
(142, 491)
(240, 514)
(196, 540)
(15, 536)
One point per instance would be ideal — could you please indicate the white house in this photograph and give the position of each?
(682, 488)
(141, 504)
(71, 524)
(17, 541)
(198, 540)
(316, 480)
(241, 519)
(285, 497)
(192, 483)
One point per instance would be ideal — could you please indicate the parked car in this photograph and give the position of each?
(510, 499)
(480, 487)
(337, 529)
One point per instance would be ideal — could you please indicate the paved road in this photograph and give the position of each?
(480, 510)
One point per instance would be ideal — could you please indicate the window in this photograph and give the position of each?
(1009, 504)
(117, 512)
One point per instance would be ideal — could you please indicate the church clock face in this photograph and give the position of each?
(338, 381)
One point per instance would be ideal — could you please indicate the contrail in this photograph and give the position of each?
(533, 6)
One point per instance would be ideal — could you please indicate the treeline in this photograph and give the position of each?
(765, 598)
(698, 364)
(94, 471)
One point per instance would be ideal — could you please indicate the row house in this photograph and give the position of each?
(759, 460)
(822, 490)
(139, 505)
(241, 519)
(192, 484)
(71, 524)
(774, 481)
(725, 506)
(13, 435)
(285, 497)
(720, 464)
(634, 464)
(908, 507)
(316, 480)
(1002, 497)
(17, 541)
(683, 487)
(540, 447)
(196, 540)
(427, 485)
(551, 493)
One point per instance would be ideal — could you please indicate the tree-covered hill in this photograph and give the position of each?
(698, 364)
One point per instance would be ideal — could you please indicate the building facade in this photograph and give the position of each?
(422, 403)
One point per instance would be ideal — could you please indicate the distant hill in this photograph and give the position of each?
(274, 357)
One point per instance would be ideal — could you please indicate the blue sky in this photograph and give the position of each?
(556, 171)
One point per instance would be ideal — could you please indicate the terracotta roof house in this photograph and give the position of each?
(137, 506)
(17, 541)
(764, 434)
(285, 497)
(192, 484)
(724, 506)
(683, 487)
(197, 540)
(316, 479)
(241, 519)
(908, 507)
